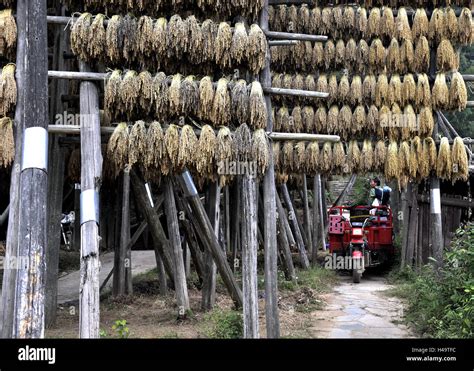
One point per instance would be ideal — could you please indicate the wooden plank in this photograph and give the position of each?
(32, 227)
(249, 258)
(436, 224)
(284, 244)
(405, 201)
(180, 287)
(316, 220)
(292, 217)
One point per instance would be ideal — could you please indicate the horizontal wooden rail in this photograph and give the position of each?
(294, 36)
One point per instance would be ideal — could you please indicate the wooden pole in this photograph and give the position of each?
(284, 243)
(405, 197)
(436, 229)
(307, 216)
(249, 257)
(235, 231)
(292, 217)
(210, 270)
(316, 221)
(180, 287)
(28, 321)
(322, 211)
(91, 173)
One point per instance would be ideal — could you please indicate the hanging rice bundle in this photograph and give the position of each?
(329, 54)
(344, 89)
(322, 84)
(432, 157)
(299, 157)
(416, 156)
(258, 108)
(317, 56)
(408, 89)
(423, 91)
(457, 93)
(421, 61)
(223, 45)
(321, 121)
(367, 157)
(188, 147)
(96, 44)
(8, 89)
(282, 120)
(362, 56)
(146, 91)
(373, 119)
(240, 43)
(287, 81)
(349, 19)
(354, 157)
(309, 83)
(221, 107)
(402, 27)
(437, 26)
(129, 29)
(209, 34)
(303, 19)
(377, 55)
(195, 40)
(257, 49)
(451, 27)
(440, 93)
(332, 117)
(362, 21)
(154, 146)
(446, 58)
(242, 144)
(339, 157)
(177, 37)
(355, 96)
(145, 35)
(404, 158)
(373, 25)
(444, 164)
(117, 149)
(382, 91)
(379, 156)
(350, 56)
(80, 36)
(160, 94)
(387, 24)
(296, 120)
(325, 159)
(112, 91)
(395, 87)
(420, 24)
(281, 18)
(137, 143)
(338, 26)
(314, 24)
(423, 163)
(410, 120)
(205, 154)
(189, 96)
(331, 88)
(368, 88)
(460, 161)
(240, 102)
(359, 119)
(391, 162)
(206, 98)
(344, 121)
(7, 142)
(312, 158)
(287, 157)
(8, 33)
(407, 56)
(260, 152)
(308, 119)
(129, 93)
(465, 29)
(426, 122)
(297, 82)
(171, 146)
(159, 37)
(175, 98)
(393, 57)
(340, 52)
(327, 21)
(389, 122)
(292, 18)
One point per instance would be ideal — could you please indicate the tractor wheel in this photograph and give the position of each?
(356, 276)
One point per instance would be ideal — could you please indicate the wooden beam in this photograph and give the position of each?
(295, 92)
(307, 216)
(294, 36)
(283, 42)
(461, 203)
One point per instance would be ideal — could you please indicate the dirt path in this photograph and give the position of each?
(68, 285)
(360, 311)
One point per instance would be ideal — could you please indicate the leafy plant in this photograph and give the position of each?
(224, 324)
(121, 329)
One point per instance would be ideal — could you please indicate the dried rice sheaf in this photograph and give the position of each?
(325, 158)
(145, 80)
(97, 38)
(407, 56)
(355, 97)
(408, 89)
(8, 33)
(80, 36)
(188, 148)
(171, 146)
(240, 43)
(426, 122)
(321, 121)
(137, 143)
(190, 96)
(373, 25)
(446, 58)
(362, 56)
(159, 37)
(257, 49)
(195, 40)
(402, 27)
(387, 24)
(382, 91)
(432, 154)
(393, 57)
(117, 149)
(332, 119)
(392, 170)
(377, 55)
(154, 147)
(465, 28)
(175, 98)
(299, 157)
(368, 88)
(420, 24)
(223, 45)
(8, 89)
(209, 31)
(7, 142)
(440, 93)
(437, 26)
(308, 119)
(287, 158)
(339, 157)
(177, 37)
(296, 120)
(312, 158)
(451, 30)
(282, 118)
(205, 154)
(421, 61)
(354, 157)
(258, 108)
(359, 119)
(372, 119)
(240, 102)
(444, 164)
(367, 156)
(221, 107)
(206, 98)
(344, 121)
(340, 53)
(129, 30)
(145, 35)
(380, 153)
(129, 93)
(224, 152)
(404, 158)
(460, 161)
(344, 89)
(395, 87)
(160, 94)
(457, 93)
(329, 54)
(362, 21)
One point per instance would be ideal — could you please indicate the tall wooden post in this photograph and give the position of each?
(436, 229)
(269, 191)
(9, 275)
(316, 221)
(307, 216)
(322, 211)
(180, 287)
(249, 257)
(28, 321)
(91, 174)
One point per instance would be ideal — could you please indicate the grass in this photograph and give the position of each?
(223, 324)
(317, 278)
(69, 261)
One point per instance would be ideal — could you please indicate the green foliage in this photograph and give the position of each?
(442, 306)
(316, 278)
(224, 324)
(360, 191)
(103, 333)
(121, 329)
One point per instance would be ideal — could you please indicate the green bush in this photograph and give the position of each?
(224, 324)
(442, 306)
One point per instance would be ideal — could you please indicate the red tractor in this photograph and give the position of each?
(362, 236)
